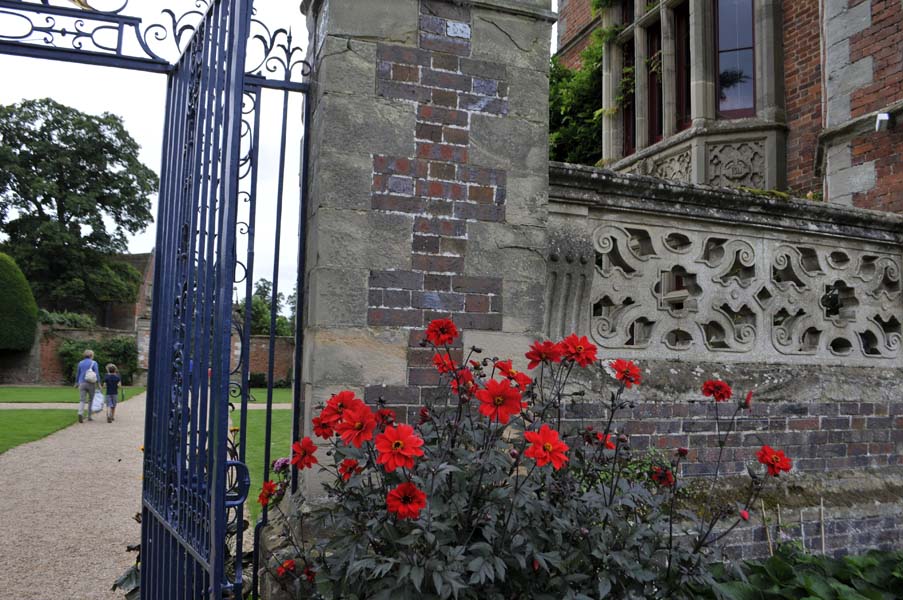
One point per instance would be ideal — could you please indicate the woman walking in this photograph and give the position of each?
(87, 374)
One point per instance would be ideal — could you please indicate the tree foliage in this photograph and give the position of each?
(260, 311)
(575, 106)
(18, 310)
(72, 192)
(121, 351)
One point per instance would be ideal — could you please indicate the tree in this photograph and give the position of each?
(260, 311)
(18, 311)
(73, 190)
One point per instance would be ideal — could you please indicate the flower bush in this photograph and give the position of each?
(492, 495)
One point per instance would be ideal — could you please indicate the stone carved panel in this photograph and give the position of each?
(674, 168)
(736, 164)
(680, 290)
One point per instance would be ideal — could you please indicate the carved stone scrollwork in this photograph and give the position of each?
(736, 164)
(570, 273)
(675, 168)
(661, 289)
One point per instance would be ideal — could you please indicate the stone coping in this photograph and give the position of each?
(514, 7)
(602, 188)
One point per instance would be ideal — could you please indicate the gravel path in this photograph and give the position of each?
(66, 508)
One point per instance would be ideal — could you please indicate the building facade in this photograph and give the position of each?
(803, 96)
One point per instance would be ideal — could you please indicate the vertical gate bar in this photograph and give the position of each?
(246, 366)
(239, 21)
(298, 368)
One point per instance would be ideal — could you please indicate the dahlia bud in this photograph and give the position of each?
(513, 453)
(424, 415)
(744, 514)
(623, 438)
(682, 452)
(747, 403)
(584, 532)
(589, 427)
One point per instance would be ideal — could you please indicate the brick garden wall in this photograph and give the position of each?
(803, 93)
(573, 18)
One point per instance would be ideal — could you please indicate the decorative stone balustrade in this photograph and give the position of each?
(671, 271)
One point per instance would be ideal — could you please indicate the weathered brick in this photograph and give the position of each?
(478, 303)
(394, 318)
(406, 280)
(426, 376)
(444, 152)
(426, 131)
(391, 394)
(408, 73)
(397, 299)
(445, 62)
(449, 81)
(397, 203)
(441, 283)
(437, 264)
(442, 43)
(477, 285)
(438, 301)
(453, 135)
(402, 91)
(479, 212)
(402, 54)
(455, 246)
(446, 10)
(441, 170)
(432, 24)
(485, 104)
(445, 227)
(425, 243)
(444, 98)
(484, 69)
(436, 114)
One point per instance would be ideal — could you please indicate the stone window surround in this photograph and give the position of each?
(705, 121)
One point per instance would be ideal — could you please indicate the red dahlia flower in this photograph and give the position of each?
(775, 460)
(542, 352)
(397, 447)
(441, 332)
(522, 380)
(303, 453)
(348, 468)
(424, 415)
(286, 567)
(463, 383)
(720, 390)
(546, 447)
(626, 371)
(385, 416)
(744, 514)
(357, 425)
(336, 407)
(606, 441)
(662, 476)
(444, 363)
(406, 501)
(321, 429)
(499, 401)
(267, 492)
(748, 402)
(579, 350)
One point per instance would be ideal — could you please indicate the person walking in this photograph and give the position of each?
(87, 374)
(111, 381)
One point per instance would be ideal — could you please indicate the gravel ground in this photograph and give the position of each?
(66, 508)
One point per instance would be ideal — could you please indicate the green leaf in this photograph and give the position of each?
(737, 590)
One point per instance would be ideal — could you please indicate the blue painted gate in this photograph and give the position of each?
(196, 482)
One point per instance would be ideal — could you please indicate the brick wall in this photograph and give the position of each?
(883, 43)
(803, 88)
(440, 186)
(573, 17)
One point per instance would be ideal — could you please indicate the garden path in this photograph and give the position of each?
(66, 508)
(73, 406)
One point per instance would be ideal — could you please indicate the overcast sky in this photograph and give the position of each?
(139, 99)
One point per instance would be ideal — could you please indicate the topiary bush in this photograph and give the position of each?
(18, 310)
(121, 351)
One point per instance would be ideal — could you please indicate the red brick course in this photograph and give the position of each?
(803, 88)
(574, 16)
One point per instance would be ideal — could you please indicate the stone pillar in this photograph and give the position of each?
(702, 69)
(669, 73)
(428, 181)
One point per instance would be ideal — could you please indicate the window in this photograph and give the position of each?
(627, 8)
(626, 94)
(736, 69)
(682, 64)
(654, 82)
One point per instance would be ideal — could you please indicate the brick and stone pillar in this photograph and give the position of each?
(429, 176)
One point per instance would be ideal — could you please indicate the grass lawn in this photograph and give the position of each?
(54, 393)
(20, 426)
(280, 395)
(280, 445)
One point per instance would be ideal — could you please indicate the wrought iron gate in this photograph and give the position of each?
(195, 478)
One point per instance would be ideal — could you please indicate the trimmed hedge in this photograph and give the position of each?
(18, 311)
(121, 351)
(67, 319)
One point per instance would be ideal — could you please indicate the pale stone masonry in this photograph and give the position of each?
(429, 174)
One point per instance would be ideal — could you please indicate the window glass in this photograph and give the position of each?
(736, 68)
(682, 64)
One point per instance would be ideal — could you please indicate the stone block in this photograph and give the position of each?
(515, 40)
(339, 238)
(365, 125)
(524, 307)
(357, 357)
(499, 344)
(340, 181)
(527, 200)
(346, 67)
(500, 250)
(509, 144)
(528, 94)
(337, 297)
(387, 20)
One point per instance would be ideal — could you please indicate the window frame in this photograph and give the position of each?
(683, 100)
(655, 92)
(628, 111)
(739, 113)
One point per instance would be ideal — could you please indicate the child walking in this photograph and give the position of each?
(111, 379)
